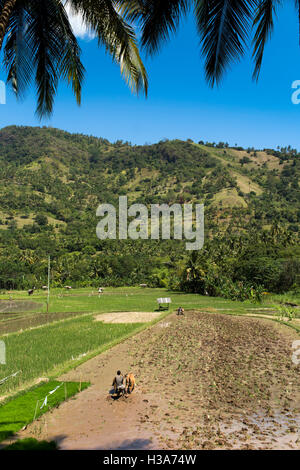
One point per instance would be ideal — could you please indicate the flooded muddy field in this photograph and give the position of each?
(15, 306)
(19, 322)
(204, 381)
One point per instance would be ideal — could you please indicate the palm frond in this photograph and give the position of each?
(131, 10)
(45, 45)
(263, 22)
(71, 67)
(297, 5)
(17, 53)
(118, 38)
(6, 9)
(224, 27)
(158, 19)
(40, 43)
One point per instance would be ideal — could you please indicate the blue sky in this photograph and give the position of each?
(180, 103)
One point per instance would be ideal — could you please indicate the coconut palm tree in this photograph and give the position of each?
(225, 27)
(39, 44)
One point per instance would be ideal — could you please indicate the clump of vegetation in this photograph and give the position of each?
(285, 312)
(31, 444)
(240, 268)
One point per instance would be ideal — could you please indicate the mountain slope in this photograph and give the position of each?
(51, 183)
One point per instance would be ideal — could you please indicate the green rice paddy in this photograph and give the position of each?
(21, 411)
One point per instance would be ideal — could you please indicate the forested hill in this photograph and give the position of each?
(51, 183)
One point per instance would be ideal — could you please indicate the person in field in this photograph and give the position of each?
(118, 383)
(180, 311)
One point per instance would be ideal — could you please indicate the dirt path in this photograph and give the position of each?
(204, 381)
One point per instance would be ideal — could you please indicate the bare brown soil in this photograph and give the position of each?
(204, 381)
(127, 317)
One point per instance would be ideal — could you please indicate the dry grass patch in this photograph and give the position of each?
(127, 317)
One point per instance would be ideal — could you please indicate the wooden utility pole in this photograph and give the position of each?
(48, 294)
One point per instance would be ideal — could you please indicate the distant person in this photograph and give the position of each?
(180, 311)
(118, 383)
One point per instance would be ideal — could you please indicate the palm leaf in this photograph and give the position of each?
(40, 43)
(71, 67)
(157, 18)
(6, 9)
(224, 27)
(44, 36)
(16, 52)
(297, 5)
(263, 22)
(117, 36)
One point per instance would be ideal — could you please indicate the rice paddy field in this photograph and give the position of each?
(113, 299)
(44, 344)
(29, 406)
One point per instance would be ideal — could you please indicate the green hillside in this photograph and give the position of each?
(51, 183)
